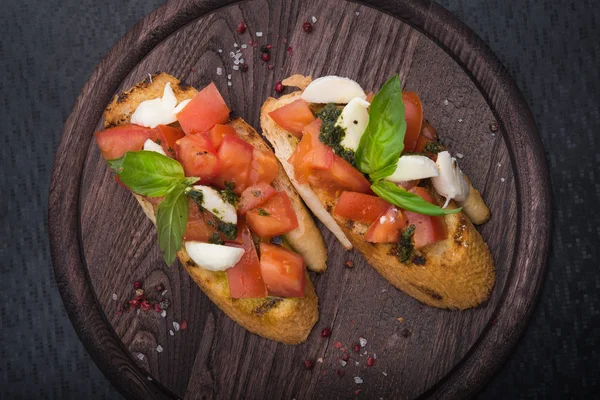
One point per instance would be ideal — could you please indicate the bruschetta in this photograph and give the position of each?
(375, 173)
(221, 202)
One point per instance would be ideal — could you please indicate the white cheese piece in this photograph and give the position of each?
(450, 183)
(151, 145)
(332, 89)
(181, 106)
(159, 111)
(213, 257)
(354, 120)
(214, 203)
(410, 168)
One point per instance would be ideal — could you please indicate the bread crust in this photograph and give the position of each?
(288, 320)
(456, 273)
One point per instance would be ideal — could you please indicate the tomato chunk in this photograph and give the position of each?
(217, 133)
(428, 230)
(283, 271)
(202, 225)
(341, 176)
(245, 278)
(115, 142)
(254, 196)
(428, 134)
(293, 117)
(275, 217)
(235, 156)
(413, 114)
(198, 157)
(360, 207)
(168, 137)
(388, 227)
(310, 154)
(205, 110)
(264, 167)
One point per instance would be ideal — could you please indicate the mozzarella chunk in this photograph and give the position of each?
(151, 145)
(332, 89)
(354, 120)
(159, 111)
(410, 168)
(450, 183)
(214, 203)
(181, 106)
(213, 257)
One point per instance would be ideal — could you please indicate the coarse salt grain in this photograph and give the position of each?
(363, 341)
(374, 356)
(114, 296)
(171, 333)
(383, 290)
(219, 71)
(459, 155)
(228, 76)
(358, 380)
(499, 164)
(356, 363)
(313, 19)
(343, 363)
(460, 120)
(241, 60)
(220, 50)
(365, 353)
(164, 292)
(138, 311)
(228, 83)
(231, 54)
(357, 13)
(235, 45)
(502, 179)
(140, 356)
(149, 378)
(159, 348)
(244, 46)
(236, 67)
(384, 374)
(163, 313)
(319, 360)
(236, 62)
(446, 102)
(176, 326)
(259, 34)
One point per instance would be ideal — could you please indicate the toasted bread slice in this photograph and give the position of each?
(288, 320)
(457, 273)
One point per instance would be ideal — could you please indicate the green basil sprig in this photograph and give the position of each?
(380, 148)
(383, 141)
(407, 200)
(154, 175)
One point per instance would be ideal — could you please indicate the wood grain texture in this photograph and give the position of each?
(101, 241)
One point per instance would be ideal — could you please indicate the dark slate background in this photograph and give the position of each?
(48, 50)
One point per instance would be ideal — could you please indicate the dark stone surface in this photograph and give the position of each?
(48, 50)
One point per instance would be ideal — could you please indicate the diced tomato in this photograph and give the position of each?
(293, 117)
(202, 225)
(388, 227)
(360, 207)
(115, 142)
(310, 154)
(217, 133)
(428, 230)
(254, 196)
(235, 156)
(428, 134)
(168, 137)
(283, 271)
(264, 167)
(275, 217)
(413, 114)
(198, 157)
(245, 278)
(205, 110)
(341, 176)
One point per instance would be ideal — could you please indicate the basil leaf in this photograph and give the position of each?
(116, 165)
(408, 201)
(171, 220)
(382, 173)
(149, 173)
(383, 140)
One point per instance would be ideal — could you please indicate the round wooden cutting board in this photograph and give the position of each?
(102, 242)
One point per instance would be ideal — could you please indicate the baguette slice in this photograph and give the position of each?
(288, 320)
(457, 273)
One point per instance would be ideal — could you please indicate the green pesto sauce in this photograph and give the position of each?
(263, 212)
(405, 246)
(215, 238)
(433, 147)
(229, 230)
(332, 135)
(228, 195)
(197, 196)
